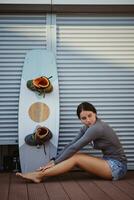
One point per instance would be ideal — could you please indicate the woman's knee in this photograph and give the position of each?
(78, 156)
(81, 158)
(75, 158)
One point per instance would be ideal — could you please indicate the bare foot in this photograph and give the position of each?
(32, 176)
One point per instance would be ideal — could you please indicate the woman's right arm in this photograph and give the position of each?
(51, 162)
(91, 134)
(79, 135)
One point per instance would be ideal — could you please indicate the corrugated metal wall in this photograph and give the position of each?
(18, 34)
(95, 57)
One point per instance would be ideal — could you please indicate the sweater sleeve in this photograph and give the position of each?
(83, 139)
(79, 135)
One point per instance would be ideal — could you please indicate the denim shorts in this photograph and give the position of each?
(118, 168)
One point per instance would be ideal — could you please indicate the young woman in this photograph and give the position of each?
(113, 164)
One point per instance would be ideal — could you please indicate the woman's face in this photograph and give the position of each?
(88, 117)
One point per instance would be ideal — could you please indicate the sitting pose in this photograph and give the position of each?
(111, 166)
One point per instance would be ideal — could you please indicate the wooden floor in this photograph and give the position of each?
(72, 186)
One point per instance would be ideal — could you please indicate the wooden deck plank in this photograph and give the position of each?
(72, 188)
(55, 190)
(90, 188)
(37, 191)
(130, 177)
(111, 190)
(130, 181)
(18, 189)
(4, 185)
(125, 187)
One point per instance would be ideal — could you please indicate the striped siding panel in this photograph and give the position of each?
(18, 34)
(95, 57)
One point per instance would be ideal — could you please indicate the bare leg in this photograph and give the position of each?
(91, 164)
(60, 168)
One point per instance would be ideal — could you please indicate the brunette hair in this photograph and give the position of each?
(85, 106)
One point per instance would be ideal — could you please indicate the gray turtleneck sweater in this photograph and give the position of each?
(101, 136)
